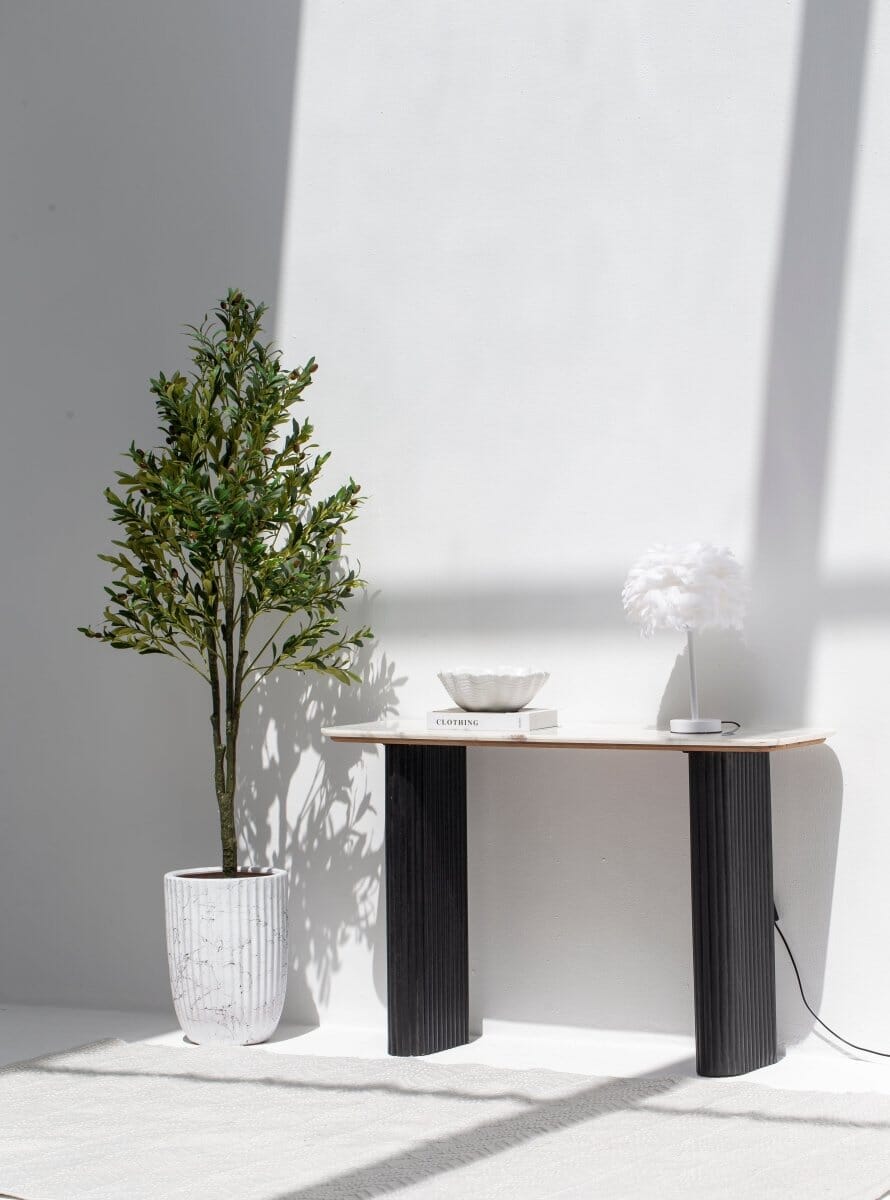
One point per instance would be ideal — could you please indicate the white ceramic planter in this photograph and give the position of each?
(227, 950)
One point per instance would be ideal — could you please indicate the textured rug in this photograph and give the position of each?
(115, 1121)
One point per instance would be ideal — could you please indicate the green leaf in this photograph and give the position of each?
(225, 525)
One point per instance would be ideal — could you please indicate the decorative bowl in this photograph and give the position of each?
(492, 689)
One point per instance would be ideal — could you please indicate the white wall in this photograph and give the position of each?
(580, 277)
(144, 160)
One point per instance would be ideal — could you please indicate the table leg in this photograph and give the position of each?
(426, 898)
(732, 911)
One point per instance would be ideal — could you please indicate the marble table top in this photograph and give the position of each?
(405, 730)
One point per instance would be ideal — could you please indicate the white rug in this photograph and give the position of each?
(115, 1121)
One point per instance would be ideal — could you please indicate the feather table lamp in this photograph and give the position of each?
(687, 589)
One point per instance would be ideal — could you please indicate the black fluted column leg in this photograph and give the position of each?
(732, 912)
(426, 898)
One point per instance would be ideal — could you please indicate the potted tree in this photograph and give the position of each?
(229, 562)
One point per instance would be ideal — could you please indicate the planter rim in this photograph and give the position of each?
(214, 875)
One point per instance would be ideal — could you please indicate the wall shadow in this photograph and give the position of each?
(588, 853)
(306, 805)
(800, 395)
(145, 152)
(807, 805)
(728, 686)
(803, 353)
(535, 604)
(765, 680)
(603, 902)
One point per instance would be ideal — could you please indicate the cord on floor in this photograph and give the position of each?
(812, 1012)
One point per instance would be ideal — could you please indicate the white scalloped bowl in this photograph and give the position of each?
(492, 689)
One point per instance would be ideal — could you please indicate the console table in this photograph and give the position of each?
(732, 882)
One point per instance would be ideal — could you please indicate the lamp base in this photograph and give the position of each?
(701, 725)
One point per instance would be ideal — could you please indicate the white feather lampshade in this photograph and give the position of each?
(686, 589)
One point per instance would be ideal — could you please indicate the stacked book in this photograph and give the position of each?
(458, 720)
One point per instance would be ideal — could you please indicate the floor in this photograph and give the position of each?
(814, 1065)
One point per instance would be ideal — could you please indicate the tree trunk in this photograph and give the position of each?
(228, 835)
(227, 799)
(232, 717)
(223, 765)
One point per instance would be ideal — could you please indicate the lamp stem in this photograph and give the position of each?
(693, 686)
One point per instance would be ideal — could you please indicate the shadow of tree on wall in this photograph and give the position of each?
(306, 806)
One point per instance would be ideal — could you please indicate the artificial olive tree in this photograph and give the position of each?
(229, 561)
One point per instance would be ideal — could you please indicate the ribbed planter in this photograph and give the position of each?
(227, 950)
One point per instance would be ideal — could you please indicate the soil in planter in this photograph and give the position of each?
(219, 875)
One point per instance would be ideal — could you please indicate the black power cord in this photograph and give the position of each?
(812, 1012)
(806, 1003)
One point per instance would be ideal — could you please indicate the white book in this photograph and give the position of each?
(524, 721)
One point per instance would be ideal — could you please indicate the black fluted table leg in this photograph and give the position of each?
(732, 912)
(426, 898)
